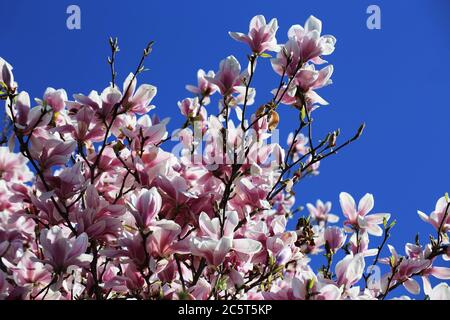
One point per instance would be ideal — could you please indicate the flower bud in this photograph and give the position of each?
(335, 238)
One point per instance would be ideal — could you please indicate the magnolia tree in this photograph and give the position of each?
(93, 207)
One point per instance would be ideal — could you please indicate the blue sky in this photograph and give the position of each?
(395, 79)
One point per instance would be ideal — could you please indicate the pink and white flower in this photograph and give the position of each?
(62, 252)
(440, 217)
(228, 77)
(359, 217)
(261, 35)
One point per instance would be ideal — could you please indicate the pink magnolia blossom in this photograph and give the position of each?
(139, 101)
(440, 217)
(189, 107)
(359, 217)
(228, 77)
(162, 241)
(439, 292)
(311, 44)
(61, 252)
(27, 117)
(83, 127)
(321, 212)
(30, 274)
(13, 166)
(6, 75)
(301, 289)
(214, 247)
(334, 237)
(415, 263)
(204, 87)
(350, 269)
(56, 99)
(98, 219)
(50, 151)
(261, 36)
(144, 206)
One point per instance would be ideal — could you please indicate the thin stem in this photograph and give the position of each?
(253, 58)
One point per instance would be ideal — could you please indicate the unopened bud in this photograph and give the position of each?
(360, 131)
(332, 139)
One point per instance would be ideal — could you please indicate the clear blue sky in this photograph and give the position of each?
(395, 79)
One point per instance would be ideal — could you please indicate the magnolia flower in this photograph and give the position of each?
(106, 213)
(308, 78)
(321, 212)
(350, 270)
(261, 36)
(334, 237)
(144, 206)
(439, 292)
(30, 273)
(309, 288)
(405, 269)
(201, 290)
(56, 99)
(214, 251)
(13, 166)
(228, 77)
(61, 252)
(49, 150)
(139, 101)
(130, 246)
(311, 44)
(214, 247)
(287, 62)
(360, 217)
(147, 131)
(6, 75)
(189, 107)
(102, 104)
(436, 218)
(97, 218)
(204, 87)
(162, 239)
(27, 118)
(84, 127)
(359, 242)
(415, 263)
(300, 146)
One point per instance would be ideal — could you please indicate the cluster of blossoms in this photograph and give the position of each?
(92, 207)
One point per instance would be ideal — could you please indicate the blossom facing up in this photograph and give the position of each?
(311, 44)
(61, 252)
(359, 216)
(56, 99)
(228, 77)
(261, 35)
(321, 212)
(214, 246)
